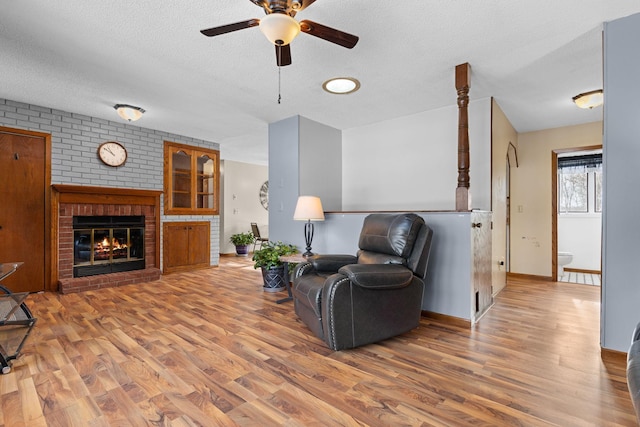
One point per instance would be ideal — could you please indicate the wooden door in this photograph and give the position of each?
(185, 245)
(24, 213)
(175, 245)
(199, 244)
(481, 254)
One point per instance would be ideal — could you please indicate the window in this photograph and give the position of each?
(598, 189)
(191, 180)
(580, 183)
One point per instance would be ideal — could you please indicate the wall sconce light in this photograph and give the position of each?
(589, 100)
(129, 112)
(308, 208)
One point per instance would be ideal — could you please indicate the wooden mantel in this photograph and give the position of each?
(92, 195)
(64, 193)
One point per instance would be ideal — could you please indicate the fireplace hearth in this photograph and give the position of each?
(107, 244)
(71, 201)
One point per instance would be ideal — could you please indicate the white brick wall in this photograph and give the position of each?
(74, 142)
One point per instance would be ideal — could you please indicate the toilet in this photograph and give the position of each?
(564, 258)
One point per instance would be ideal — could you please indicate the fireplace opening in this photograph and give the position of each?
(107, 244)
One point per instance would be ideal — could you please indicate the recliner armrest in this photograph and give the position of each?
(331, 263)
(378, 276)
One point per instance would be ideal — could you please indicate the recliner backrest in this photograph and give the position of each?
(390, 239)
(419, 259)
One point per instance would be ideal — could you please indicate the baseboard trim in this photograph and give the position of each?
(606, 354)
(528, 277)
(445, 318)
(582, 270)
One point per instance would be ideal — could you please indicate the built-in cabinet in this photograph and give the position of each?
(186, 245)
(191, 180)
(191, 187)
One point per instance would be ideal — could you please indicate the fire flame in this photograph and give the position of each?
(105, 244)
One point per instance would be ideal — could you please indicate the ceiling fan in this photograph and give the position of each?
(280, 28)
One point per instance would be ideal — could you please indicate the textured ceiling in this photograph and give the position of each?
(85, 56)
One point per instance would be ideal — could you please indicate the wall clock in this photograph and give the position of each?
(112, 153)
(264, 195)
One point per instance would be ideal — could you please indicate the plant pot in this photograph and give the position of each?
(273, 279)
(242, 250)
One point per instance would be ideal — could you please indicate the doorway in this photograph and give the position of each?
(25, 224)
(512, 161)
(575, 151)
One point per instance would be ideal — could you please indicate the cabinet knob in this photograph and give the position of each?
(476, 224)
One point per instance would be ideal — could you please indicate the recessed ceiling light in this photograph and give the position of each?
(341, 85)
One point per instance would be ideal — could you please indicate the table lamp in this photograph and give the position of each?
(308, 208)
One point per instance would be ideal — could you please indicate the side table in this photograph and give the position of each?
(286, 259)
(16, 320)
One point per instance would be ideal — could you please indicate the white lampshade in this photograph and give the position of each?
(279, 28)
(129, 112)
(589, 99)
(309, 208)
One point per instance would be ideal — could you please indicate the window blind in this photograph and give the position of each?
(584, 163)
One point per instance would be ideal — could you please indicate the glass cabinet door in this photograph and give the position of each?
(191, 180)
(205, 182)
(181, 179)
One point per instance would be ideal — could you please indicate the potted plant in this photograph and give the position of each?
(268, 259)
(242, 242)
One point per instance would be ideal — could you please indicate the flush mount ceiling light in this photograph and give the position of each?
(129, 112)
(279, 28)
(589, 99)
(341, 85)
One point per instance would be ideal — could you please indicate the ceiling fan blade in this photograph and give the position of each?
(329, 34)
(283, 55)
(223, 29)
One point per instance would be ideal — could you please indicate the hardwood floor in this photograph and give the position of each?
(211, 348)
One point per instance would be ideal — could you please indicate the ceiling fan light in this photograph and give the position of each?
(129, 112)
(341, 85)
(589, 100)
(279, 28)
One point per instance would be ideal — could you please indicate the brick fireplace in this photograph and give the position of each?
(73, 200)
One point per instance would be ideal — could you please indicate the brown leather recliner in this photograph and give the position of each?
(349, 301)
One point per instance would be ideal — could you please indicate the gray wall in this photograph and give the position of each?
(283, 180)
(304, 158)
(74, 142)
(621, 152)
(321, 163)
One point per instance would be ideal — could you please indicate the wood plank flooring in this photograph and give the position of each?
(210, 348)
